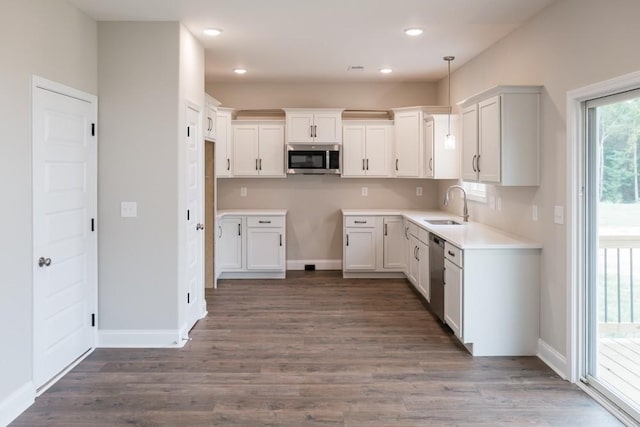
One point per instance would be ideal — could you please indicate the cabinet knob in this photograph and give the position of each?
(44, 262)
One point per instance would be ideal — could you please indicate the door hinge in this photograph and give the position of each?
(93, 129)
(188, 215)
(188, 298)
(188, 131)
(93, 320)
(93, 224)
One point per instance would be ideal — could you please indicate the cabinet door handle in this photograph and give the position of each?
(406, 233)
(451, 254)
(264, 222)
(367, 164)
(219, 232)
(228, 164)
(359, 222)
(431, 164)
(396, 164)
(260, 164)
(418, 253)
(385, 229)
(256, 164)
(415, 248)
(281, 240)
(473, 163)
(239, 230)
(311, 131)
(478, 163)
(315, 131)
(347, 240)
(362, 164)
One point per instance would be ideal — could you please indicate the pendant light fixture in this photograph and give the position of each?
(450, 139)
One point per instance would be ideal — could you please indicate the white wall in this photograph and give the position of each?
(314, 221)
(137, 161)
(569, 45)
(51, 39)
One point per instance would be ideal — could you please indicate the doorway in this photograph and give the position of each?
(64, 227)
(209, 214)
(610, 224)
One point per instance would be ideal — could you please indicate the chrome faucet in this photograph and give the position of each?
(465, 209)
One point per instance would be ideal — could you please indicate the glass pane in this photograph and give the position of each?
(613, 216)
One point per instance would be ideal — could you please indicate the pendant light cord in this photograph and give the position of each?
(449, 59)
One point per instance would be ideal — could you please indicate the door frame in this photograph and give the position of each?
(38, 82)
(576, 134)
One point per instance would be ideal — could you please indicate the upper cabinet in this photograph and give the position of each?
(501, 136)
(223, 145)
(209, 123)
(442, 160)
(258, 149)
(317, 126)
(367, 149)
(410, 152)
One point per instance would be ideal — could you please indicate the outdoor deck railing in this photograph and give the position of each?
(619, 286)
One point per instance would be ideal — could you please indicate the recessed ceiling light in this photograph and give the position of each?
(413, 31)
(213, 32)
(385, 70)
(240, 70)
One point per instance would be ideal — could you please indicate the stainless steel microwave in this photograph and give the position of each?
(313, 159)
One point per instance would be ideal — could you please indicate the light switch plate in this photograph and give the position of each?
(243, 191)
(418, 191)
(499, 203)
(128, 209)
(365, 191)
(558, 214)
(534, 212)
(492, 202)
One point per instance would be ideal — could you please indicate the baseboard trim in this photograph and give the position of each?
(321, 264)
(253, 275)
(16, 403)
(553, 359)
(374, 275)
(141, 338)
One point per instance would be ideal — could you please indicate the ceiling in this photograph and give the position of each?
(316, 41)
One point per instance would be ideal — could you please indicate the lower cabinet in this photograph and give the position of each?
(418, 271)
(373, 244)
(252, 246)
(453, 297)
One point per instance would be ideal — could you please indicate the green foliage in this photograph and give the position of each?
(619, 137)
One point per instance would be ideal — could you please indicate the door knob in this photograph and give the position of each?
(44, 262)
(199, 226)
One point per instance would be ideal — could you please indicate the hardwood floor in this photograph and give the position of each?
(313, 350)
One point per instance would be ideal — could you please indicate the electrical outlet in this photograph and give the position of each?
(365, 191)
(492, 202)
(243, 191)
(418, 191)
(558, 214)
(129, 209)
(499, 203)
(534, 212)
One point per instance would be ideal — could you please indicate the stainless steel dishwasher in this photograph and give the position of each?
(436, 274)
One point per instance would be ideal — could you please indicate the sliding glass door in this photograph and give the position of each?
(612, 253)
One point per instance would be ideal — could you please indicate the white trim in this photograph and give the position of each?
(253, 275)
(64, 372)
(575, 125)
(552, 358)
(141, 338)
(16, 403)
(608, 405)
(374, 275)
(321, 264)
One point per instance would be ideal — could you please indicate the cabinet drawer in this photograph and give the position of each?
(360, 221)
(423, 236)
(265, 221)
(413, 229)
(453, 254)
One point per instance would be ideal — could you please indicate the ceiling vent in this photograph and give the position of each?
(356, 68)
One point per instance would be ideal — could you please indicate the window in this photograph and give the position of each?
(476, 191)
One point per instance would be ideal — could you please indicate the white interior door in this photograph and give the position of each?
(64, 238)
(195, 224)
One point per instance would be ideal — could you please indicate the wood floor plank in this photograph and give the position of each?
(313, 350)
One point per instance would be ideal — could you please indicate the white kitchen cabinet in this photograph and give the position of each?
(412, 262)
(366, 150)
(408, 143)
(252, 245)
(501, 136)
(441, 161)
(393, 243)
(424, 278)
(373, 244)
(319, 126)
(223, 143)
(265, 246)
(229, 250)
(258, 149)
(453, 297)
(210, 122)
(419, 260)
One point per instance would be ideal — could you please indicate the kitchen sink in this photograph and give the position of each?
(442, 222)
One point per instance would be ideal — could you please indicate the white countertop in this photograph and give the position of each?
(251, 212)
(468, 235)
